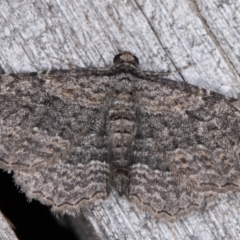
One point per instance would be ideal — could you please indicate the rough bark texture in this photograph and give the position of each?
(165, 36)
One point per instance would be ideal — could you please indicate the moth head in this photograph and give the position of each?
(125, 61)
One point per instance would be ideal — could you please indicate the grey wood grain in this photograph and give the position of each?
(6, 229)
(165, 36)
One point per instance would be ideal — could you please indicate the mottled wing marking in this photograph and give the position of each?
(40, 123)
(161, 193)
(53, 136)
(66, 187)
(154, 184)
(21, 110)
(199, 131)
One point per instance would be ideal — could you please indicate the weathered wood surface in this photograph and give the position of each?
(6, 231)
(165, 36)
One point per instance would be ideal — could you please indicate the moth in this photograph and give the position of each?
(71, 136)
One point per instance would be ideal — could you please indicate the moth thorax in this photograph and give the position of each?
(124, 89)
